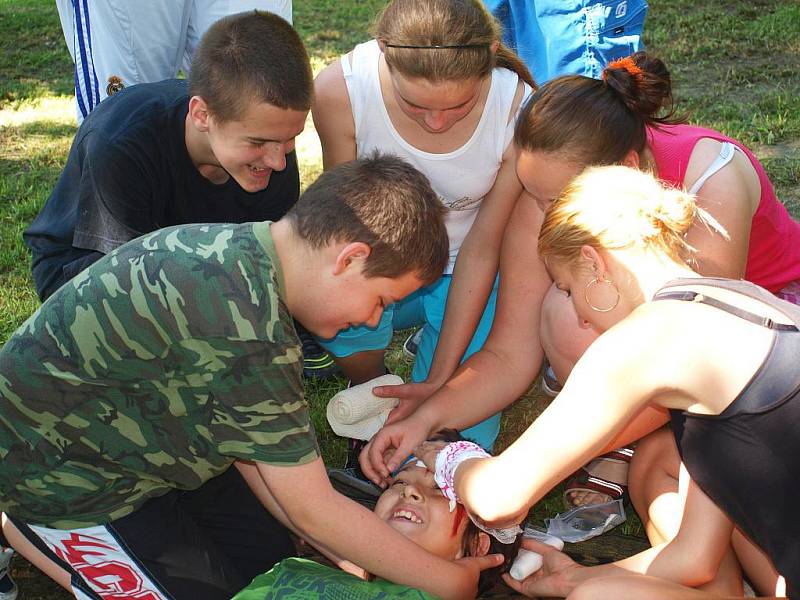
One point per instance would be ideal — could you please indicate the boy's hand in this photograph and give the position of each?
(555, 579)
(411, 395)
(390, 447)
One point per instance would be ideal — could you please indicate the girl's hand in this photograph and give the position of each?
(387, 450)
(411, 396)
(427, 452)
(556, 579)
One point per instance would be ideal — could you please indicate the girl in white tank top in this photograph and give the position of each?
(438, 89)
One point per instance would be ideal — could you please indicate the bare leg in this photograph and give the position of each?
(653, 486)
(654, 491)
(563, 335)
(564, 340)
(756, 565)
(362, 366)
(636, 587)
(21, 544)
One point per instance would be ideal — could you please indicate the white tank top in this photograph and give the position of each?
(462, 177)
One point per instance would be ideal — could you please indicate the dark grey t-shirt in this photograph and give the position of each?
(129, 173)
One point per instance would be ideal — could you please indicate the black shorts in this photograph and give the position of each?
(204, 544)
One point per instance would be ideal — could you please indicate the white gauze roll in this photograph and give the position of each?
(357, 413)
(528, 561)
(358, 402)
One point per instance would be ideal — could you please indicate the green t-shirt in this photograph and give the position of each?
(154, 369)
(299, 579)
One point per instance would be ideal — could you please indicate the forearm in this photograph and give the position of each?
(484, 384)
(504, 368)
(329, 520)
(362, 538)
(470, 287)
(569, 432)
(250, 473)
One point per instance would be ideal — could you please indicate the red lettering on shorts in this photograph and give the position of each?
(98, 564)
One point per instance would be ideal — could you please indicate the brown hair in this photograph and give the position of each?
(254, 56)
(462, 23)
(616, 207)
(384, 202)
(488, 577)
(596, 122)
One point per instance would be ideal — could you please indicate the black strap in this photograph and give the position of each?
(746, 315)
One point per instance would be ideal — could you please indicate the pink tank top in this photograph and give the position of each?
(773, 259)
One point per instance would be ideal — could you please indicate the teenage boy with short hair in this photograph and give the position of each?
(131, 391)
(218, 148)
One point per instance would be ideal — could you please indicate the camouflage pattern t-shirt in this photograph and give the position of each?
(152, 370)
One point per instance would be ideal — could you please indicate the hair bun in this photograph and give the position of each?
(643, 83)
(626, 65)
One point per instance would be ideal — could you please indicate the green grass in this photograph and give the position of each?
(734, 66)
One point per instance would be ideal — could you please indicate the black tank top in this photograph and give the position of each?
(747, 458)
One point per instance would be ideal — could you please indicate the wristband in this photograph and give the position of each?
(447, 461)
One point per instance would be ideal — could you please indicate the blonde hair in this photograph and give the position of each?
(616, 207)
(463, 26)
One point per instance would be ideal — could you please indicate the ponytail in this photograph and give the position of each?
(508, 59)
(596, 122)
(644, 85)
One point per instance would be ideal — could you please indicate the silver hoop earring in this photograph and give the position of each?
(592, 306)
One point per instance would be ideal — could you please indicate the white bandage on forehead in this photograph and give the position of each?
(447, 461)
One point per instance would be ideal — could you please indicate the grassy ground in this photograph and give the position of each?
(734, 63)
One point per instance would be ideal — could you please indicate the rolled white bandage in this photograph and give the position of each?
(358, 413)
(528, 561)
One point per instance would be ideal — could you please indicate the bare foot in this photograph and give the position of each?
(612, 471)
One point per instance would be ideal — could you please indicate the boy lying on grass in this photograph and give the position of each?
(413, 505)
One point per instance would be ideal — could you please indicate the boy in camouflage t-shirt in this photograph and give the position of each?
(130, 393)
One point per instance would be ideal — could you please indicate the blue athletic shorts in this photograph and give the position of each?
(425, 307)
(570, 37)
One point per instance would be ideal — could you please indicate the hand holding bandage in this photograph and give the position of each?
(358, 413)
